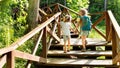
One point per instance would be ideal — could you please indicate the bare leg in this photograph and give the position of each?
(65, 47)
(69, 44)
(83, 42)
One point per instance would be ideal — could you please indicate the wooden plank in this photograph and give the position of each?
(68, 8)
(85, 62)
(108, 27)
(28, 65)
(28, 36)
(51, 38)
(44, 44)
(42, 11)
(114, 23)
(99, 20)
(78, 42)
(2, 60)
(27, 56)
(10, 60)
(79, 53)
(53, 34)
(116, 59)
(99, 32)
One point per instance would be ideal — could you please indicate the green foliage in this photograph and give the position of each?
(13, 25)
(77, 4)
(44, 3)
(12, 20)
(98, 6)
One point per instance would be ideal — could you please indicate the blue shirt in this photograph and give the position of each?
(86, 23)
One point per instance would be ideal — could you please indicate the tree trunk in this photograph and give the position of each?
(32, 18)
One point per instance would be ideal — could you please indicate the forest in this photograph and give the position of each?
(16, 17)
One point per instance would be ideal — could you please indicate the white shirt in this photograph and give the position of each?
(65, 27)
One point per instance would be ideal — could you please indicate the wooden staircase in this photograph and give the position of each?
(98, 54)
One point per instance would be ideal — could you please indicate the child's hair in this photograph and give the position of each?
(84, 11)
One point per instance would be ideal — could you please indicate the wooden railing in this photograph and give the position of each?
(115, 32)
(112, 31)
(47, 26)
(8, 54)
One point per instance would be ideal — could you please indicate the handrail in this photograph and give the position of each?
(115, 38)
(114, 23)
(20, 41)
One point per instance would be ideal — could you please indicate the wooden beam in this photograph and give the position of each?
(68, 8)
(73, 22)
(99, 20)
(116, 58)
(56, 8)
(44, 44)
(42, 11)
(10, 60)
(27, 56)
(28, 65)
(2, 60)
(28, 36)
(108, 28)
(114, 43)
(51, 38)
(114, 23)
(99, 32)
(53, 34)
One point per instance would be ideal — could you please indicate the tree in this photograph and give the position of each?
(32, 18)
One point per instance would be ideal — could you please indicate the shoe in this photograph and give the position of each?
(83, 50)
(65, 51)
(68, 50)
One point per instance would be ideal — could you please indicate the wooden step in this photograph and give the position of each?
(90, 42)
(79, 53)
(77, 62)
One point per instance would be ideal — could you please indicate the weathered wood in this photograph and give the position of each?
(3, 60)
(116, 59)
(51, 38)
(78, 42)
(44, 44)
(85, 62)
(68, 8)
(53, 34)
(76, 28)
(10, 60)
(114, 23)
(99, 32)
(28, 65)
(114, 43)
(27, 56)
(108, 28)
(79, 53)
(56, 8)
(28, 36)
(42, 11)
(99, 20)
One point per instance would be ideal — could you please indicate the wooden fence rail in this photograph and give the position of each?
(9, 53)
(115, 38)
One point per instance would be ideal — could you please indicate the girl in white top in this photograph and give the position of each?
(65, 28)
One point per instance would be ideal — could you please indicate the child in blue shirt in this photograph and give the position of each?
(85, 27)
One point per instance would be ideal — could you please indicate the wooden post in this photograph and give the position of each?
(59, 29)
(114, 43)
(44, 44)
(10, 60)
(107, 26)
